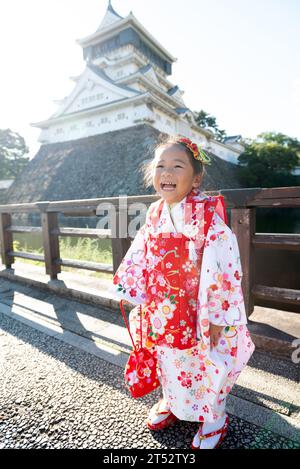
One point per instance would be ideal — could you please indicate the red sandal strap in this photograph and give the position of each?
(217, 432)
(163, 424)
(161, 413)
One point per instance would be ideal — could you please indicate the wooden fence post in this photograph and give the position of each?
(120, 243)
(243, 222)
(6, 240)
(49, 221)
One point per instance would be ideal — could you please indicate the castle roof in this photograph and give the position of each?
(110, 17)
(232, 139)
(115, 31)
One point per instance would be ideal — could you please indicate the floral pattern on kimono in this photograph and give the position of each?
(131, 275)
(195, 379)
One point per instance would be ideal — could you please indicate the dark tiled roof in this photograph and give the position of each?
(145, 69)
(101, 166)
(173, 90)
(232, 138)
(110, 8)
(104, 76)
(181, 110)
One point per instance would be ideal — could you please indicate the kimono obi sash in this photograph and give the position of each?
(173, 278)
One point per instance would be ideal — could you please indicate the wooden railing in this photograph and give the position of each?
(241, 202)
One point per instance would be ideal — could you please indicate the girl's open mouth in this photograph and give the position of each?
(168, 187)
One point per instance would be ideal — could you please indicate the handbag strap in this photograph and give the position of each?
(127, 325)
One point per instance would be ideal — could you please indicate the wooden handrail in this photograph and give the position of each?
(286, 295)
(241, 202)
(235, 198)
(94, 266)
(285, 241)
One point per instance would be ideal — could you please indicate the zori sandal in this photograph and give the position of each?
(159, 420)
(222, 431)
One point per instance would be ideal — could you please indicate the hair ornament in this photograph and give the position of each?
(197, 152)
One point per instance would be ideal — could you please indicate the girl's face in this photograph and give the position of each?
(173, 174)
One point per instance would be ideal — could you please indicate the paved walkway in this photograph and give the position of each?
(61, 368)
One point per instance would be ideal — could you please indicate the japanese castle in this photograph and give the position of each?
(126, 83)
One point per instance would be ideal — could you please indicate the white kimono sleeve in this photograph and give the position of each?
(130, 279)
(221, 276)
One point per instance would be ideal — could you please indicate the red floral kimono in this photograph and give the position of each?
(186, 279)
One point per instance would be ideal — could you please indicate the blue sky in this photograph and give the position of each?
(237, 59)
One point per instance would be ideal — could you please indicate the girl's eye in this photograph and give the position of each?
(178, 166)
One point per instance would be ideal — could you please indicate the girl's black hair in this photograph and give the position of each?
(147, 168)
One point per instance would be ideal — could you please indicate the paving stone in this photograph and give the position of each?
(87, 394)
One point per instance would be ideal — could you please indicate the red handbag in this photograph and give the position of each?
(141, 369)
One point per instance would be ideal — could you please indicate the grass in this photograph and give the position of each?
(85, 249)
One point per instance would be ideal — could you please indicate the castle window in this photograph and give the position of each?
(60, 131)
(121, 116)
(89, 124)
(104, 120)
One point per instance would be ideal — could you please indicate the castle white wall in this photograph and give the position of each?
(116, 72)
(230, 155)
(99, 123)
(121, 118)
(95, 96)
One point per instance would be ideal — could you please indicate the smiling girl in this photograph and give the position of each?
(184, 268)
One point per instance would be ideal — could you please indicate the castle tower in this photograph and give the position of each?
(96, 142)
(126, 82)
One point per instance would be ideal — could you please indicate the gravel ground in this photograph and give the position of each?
(53, 395)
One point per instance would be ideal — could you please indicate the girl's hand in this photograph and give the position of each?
(215, 334)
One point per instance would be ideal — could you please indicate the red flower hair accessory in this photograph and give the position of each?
(197, 152)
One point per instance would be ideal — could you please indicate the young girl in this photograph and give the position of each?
(184, 268)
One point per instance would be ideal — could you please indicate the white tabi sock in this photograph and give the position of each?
(209, 443)
(154, 418)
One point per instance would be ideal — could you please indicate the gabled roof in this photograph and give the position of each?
(111, 10)
(149, 72)
(110, 17)
(232, 138)
(122, 93)
(182, 110)
(173, 90)
(145, 69)
(103, 75)
(107, 30)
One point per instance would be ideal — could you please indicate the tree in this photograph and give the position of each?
(281, 139)
(269, 160)
(207, 121)
(12, 151)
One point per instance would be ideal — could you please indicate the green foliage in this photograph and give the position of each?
(205, 120)
(86, 249)
(268, 161)
(281, 139)
(12, 151)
